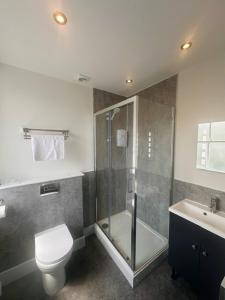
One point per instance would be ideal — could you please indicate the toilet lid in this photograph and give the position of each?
(53, 244)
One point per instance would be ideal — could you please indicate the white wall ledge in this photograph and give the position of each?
(16, 183)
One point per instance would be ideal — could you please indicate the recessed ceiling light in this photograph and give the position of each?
(60, 18)
(129, 81)
(186, 45)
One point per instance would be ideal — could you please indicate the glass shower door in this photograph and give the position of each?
(115, 174)
(121, 158)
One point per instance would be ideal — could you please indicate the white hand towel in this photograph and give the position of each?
(47, 147)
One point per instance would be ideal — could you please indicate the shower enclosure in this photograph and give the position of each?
(133, 164)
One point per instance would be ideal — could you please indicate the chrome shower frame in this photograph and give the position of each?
(110, 115)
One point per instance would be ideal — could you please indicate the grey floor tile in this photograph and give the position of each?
(92, 275)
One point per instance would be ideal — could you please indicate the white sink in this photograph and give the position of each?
(200, 214)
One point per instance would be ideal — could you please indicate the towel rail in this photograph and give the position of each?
(27, 132)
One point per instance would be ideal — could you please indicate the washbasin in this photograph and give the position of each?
(200, 215)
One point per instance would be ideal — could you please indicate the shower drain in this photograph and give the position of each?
(105, 225)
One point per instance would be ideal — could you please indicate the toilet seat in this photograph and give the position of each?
(53, 245)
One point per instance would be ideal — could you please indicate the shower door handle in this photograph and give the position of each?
(130, 184)
(133, 232)
(130, 181)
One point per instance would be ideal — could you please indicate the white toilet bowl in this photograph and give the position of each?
(53, 250)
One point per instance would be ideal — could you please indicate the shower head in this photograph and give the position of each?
(115, 111)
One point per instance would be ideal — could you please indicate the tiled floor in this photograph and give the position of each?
(94, 276)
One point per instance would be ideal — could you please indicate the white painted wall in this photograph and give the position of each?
(200, 98)
(31, 100)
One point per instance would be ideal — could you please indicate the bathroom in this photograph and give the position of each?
(112, 155)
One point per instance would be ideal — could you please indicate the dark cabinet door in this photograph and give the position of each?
(212, 265)
(184, 247)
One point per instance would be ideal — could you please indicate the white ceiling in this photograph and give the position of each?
(110, 40)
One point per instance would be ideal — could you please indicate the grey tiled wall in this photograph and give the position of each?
(182, 190)
(120, 161)
(153, 192)
(154, 174)
(89, 198)
(163, 92)
(103, 99)
(154, 182)
(28, 213)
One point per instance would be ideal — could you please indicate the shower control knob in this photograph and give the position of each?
(194, 247)
(204, 253)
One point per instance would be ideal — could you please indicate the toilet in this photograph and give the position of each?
(53, 249)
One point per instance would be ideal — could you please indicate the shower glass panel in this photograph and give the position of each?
(154, 179)
(115, 175)
(134, 178)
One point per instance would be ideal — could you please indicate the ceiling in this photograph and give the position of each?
(110, 41)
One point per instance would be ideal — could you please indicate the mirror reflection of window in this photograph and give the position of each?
(211, 146)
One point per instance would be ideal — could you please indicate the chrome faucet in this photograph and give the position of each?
(213, 204)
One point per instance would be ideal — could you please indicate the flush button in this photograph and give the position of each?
(49, 188)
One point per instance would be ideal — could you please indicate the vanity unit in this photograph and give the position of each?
(197, 246)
